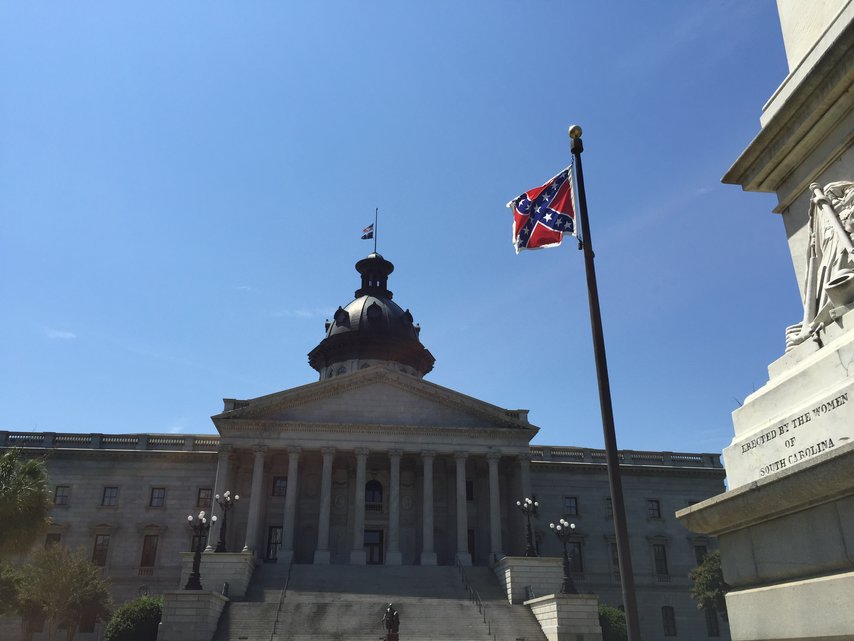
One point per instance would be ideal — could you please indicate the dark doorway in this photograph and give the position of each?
(374, 547)
(274, 541)
(471, 546)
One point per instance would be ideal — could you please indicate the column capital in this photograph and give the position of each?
(224, 448)
(425, 454)
(395, 453)
(260, 449)
(493, 455)
(461, 455)
(361, 452)
(327, 451)
(294, 450)
(524, 457)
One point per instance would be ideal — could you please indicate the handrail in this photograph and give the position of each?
(474, 597)
(281, 602)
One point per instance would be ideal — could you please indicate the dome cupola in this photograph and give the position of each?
(371, 330)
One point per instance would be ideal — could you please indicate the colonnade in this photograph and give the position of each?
(357, 555)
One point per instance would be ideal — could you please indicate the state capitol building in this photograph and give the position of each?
(371, 464)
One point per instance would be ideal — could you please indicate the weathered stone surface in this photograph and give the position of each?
(190, 615)
(568, 617)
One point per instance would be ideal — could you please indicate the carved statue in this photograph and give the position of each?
(829, 281)
(391, 620)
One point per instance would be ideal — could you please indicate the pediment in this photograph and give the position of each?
(376, 396)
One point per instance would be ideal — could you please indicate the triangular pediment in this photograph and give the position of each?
(376, 396)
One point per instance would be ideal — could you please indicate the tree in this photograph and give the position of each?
(64, 588)
(136, 620)
(709, 588)
(613, 623)
(24, 503)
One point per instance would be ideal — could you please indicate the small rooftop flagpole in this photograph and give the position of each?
(376, 215)
(624, 558)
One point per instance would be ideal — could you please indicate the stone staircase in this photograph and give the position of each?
(346, 603)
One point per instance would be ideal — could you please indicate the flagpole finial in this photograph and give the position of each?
(575, 131)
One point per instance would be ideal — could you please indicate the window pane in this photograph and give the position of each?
(668, 620)
(110, 496)
(280, 485)
(653, 509)
(149, 551)
(158, 496)
(99, 553)
(660, 554)
(570, 505)
(60, 497)
(204, 498)
(576, 563)
(700, 552)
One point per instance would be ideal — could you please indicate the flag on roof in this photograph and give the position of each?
(368, 232)
(541, 216)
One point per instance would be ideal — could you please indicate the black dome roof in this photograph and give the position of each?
(372, 327)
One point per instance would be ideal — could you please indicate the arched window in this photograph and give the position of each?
(341, 370)
(374, 496)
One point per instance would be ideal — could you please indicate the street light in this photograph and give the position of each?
(200, 529)
(225, 504)
(528, 508)
(563, 531)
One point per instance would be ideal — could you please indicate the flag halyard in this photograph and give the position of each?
(541, 216)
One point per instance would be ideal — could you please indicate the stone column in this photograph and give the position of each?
(357, 554)
(321, 554)
(495, 552)
(393, 555)
(255, 499)
(222, 465)
(463, 554)
(428, 555)
(289, 523)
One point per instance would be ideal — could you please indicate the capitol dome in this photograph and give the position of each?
(370, 330)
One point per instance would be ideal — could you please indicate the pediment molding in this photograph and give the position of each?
(259, 409)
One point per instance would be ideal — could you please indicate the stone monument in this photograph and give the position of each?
(786, 522)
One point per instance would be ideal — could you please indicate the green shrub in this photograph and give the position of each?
(135, 620)
(613, 622)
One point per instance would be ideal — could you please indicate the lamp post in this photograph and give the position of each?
(200, 528)
(528, 507)
(563, 531)
(225, 504)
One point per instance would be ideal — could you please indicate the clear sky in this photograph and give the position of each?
(183, 186)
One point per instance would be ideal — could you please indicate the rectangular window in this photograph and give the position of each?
(280, 485)
(158, 497)
(659, 553)
(102, 546)
(700, 552)
(570, 505)
(576, 563)
(149, 551)
(60, 496)
(110, 496)
(469, 490)
(609, 507)
(668, 621)
(198, 540)
(204, 497)
(52, 538)
(653, 509)
(712, 627)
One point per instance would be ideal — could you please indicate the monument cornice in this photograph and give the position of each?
(798, 119)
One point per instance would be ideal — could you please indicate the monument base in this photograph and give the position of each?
(786, 544)
(190, 615)
(568, 617)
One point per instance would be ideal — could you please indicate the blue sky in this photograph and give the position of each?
(183, 185)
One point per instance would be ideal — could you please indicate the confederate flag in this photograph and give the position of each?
(543, 215)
